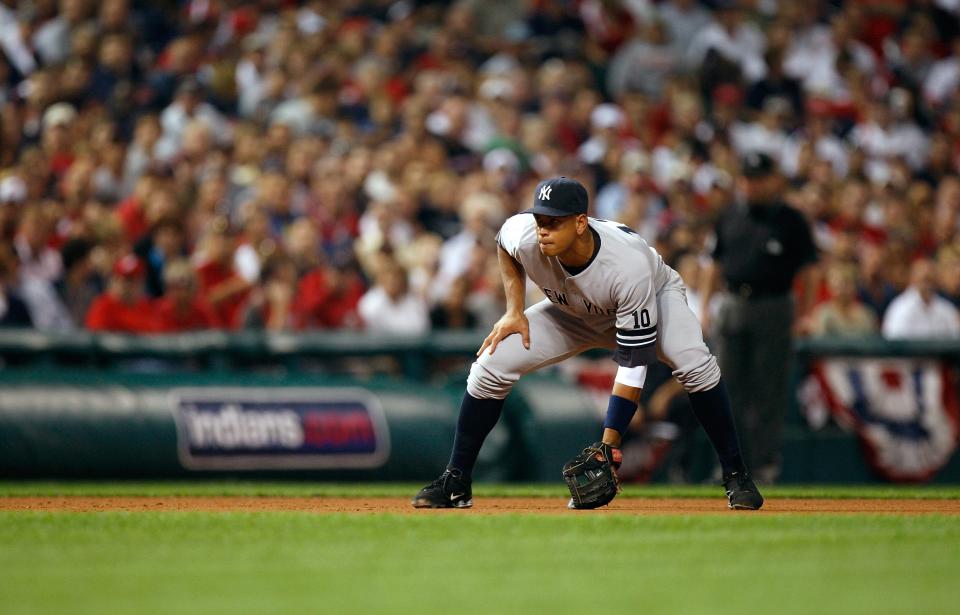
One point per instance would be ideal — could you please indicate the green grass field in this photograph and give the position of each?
(283, 562)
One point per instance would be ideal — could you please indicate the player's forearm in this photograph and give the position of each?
(620, 411)
(626, 391)
(514, 282)
(623, 403)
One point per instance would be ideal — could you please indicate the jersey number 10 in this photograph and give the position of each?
(641, 319)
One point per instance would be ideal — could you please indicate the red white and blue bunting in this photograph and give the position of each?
(905, 411)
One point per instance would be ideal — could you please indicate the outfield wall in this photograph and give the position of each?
(352, 407)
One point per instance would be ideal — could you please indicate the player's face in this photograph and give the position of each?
(555, 234)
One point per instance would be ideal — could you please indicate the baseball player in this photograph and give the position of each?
(605, 288)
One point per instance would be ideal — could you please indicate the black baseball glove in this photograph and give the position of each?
(591, 476)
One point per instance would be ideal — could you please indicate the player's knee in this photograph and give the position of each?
(485, 382)
(700, 376)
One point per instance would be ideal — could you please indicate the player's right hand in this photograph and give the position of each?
(506, 326)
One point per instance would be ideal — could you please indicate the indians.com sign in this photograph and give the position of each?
(279, 428)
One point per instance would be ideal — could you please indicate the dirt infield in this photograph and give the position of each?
(483, 506)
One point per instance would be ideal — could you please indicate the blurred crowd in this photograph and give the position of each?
(170, 166)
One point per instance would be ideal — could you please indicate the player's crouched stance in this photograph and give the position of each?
(605, 288)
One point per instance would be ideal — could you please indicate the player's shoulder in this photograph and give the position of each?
(518, 225)
(623, 250)
(520, 220)
(516, 231)
(617, 232)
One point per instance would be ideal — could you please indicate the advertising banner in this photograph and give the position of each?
(247, 428)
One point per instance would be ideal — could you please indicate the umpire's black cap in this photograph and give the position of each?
(559, 196)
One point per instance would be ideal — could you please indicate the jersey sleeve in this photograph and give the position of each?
(637, 319)
(512, 233)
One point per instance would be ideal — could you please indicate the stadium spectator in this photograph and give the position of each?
(943, 78)
(270, 306)
(51, 39)
(124, 307)
(189, 111)
(644, 63)
(40, 268)
(630, 182)
(326, 296)
(728, 46)
(13, 310)
(453, 312)
(79, 285)
(777, 85)
(948, 273)
(874, 288)
(684, 19)
(180, 309)
(480, 213)
(256, 242)
(389, 307)
(918, 312)
(164, 242)
(38, 259)
(692, 271)
(220, 285)
(142, 152)
(824, 57)
(843, 315)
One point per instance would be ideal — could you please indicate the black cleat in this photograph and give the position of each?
(451, 490)
(742, 492)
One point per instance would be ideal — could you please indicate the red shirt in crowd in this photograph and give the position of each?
(130, 213)
(321, 305)
(197, 315)
(60, 162)
(212, 274)
(108, 313)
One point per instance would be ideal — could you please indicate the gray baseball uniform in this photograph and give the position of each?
(625, 299)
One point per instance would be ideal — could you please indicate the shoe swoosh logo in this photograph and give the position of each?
(454, 496)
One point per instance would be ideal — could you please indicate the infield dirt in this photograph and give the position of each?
(482, 506)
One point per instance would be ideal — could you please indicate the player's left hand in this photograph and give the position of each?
(506, 326)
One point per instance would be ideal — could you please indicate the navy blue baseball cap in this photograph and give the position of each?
(559, 196)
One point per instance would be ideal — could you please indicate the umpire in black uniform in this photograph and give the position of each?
(762, 245)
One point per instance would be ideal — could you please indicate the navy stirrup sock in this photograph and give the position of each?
(477, 418)
(620, 411)
(712, 409)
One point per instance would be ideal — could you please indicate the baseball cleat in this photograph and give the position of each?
(451, 490)
(742, 493)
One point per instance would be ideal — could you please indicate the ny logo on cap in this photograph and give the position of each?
(545, 193)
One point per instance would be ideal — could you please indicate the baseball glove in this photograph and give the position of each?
(591, 476)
